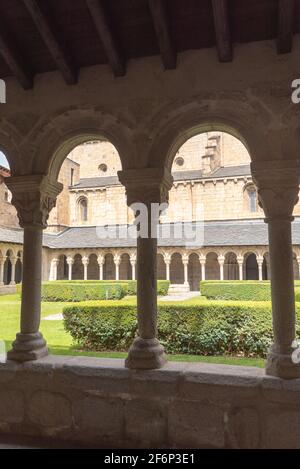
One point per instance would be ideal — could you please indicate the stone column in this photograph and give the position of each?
(70, 262)
(34, 197)
(117, 261)
(85, 261)
(146, 187)
(202, 260)
(240, 261)
(13, 262)
(101, 260)
(260, 260)
(2, 262)
(133, 265)
(167, 259)
(221, 260)
(55, 263)
(278, 186)
(185, 261)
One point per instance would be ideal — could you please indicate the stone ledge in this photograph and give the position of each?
(99, 402)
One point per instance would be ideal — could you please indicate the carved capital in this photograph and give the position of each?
(147, 185)
(278, 187)
(33, 197)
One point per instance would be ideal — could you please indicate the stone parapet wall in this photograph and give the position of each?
(99, 402)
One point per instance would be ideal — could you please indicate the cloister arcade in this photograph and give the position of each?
(10, 265)
(205, 264)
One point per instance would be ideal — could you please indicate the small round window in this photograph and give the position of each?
(103, 168)
(179, 161)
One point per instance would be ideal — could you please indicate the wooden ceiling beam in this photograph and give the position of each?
(222, 28)
(108, 40)
(162, 28)
(14, 61)
(59, 56)
(286, 10)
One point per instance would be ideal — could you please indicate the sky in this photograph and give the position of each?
(3, 160)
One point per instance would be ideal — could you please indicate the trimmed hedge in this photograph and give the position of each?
(93, 290)
(246, 290)
(211, 328)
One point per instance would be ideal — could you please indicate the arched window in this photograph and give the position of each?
(83, 209)
(251, 198)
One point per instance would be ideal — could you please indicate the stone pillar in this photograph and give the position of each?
(117, 261)
(202, 260)
(278, 186)
(2, 262)
(34, 197)
(70, 262)
(133, 265)
(240, 261)
(85, 261)
(167, 259)
(101, 260)
(260, 260)
(185, 261)
(221, 260)
(55, 263)
(13, 262)
(146, 186)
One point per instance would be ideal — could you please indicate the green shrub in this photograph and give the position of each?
(246, 290)
(79, 290)
(211, 328)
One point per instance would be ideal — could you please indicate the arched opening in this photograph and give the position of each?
(161, 267)
(19, 267)
(78, 269)
(176, 269)
(194, 272)
(62, 268)
(125, 267)
(212, 268)
(231, 268)
(7, 278)
(93, 268)
(109, 269)
(266, 267)
(251, 267)
(83, 209)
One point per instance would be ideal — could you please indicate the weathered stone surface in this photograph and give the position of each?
(281, 429)
(50, 409)
(102, 416)
(11, 406)
(243, 428)
(192, 425)
(146, 421)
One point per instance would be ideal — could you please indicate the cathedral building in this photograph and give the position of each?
(213, 199)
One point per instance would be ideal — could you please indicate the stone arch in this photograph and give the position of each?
(109, 268)
(194, 272)
(177, 125)
(125, 270)
(19, 267)
(10, 142)
(250, 266)
(212, 268)
(82, 205)
(176, 269)
(77, 269)
(161, 267)
(58, 134)
(250, 197)
(62, 267)
(8, 266)
(93, 268)
(231, 267)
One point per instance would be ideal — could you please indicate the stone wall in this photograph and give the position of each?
(8, 213)
(97, 402)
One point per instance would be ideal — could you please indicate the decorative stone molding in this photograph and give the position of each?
(278, 187)
(101, 259)
(70, 261)
(34, 197)
(147, 185)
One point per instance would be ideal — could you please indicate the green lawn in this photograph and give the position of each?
(60, 342)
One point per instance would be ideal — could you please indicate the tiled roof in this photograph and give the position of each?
(211, 233)
(226, 171)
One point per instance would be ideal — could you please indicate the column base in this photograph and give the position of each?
(145, 354)
(28, 347)
(281, 365)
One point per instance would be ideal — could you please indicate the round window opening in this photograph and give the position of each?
(103, 168)
(179, 161)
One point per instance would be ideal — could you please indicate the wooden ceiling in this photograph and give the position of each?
(38, 36)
